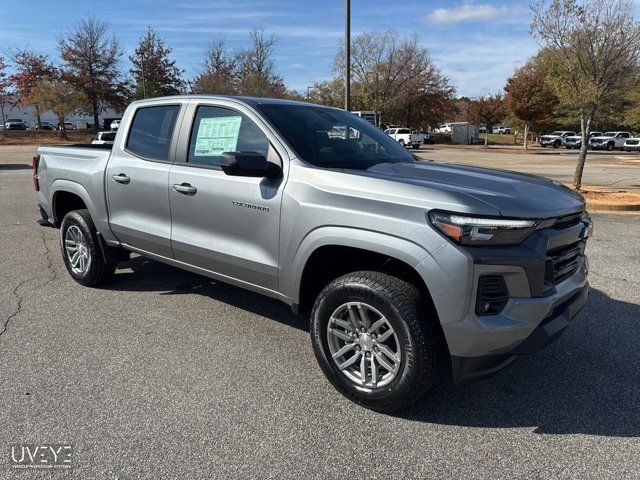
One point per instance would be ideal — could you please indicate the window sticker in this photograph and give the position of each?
(217, 135)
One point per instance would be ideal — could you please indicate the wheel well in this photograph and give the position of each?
(332, 261)
(65, 202)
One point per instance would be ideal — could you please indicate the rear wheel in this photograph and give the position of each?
(401, 142)
(81, 250)
(610, 146)
(372, 340)
(556, 144)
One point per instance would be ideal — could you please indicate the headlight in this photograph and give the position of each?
(466, 230)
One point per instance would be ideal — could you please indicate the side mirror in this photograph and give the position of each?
(249, 164)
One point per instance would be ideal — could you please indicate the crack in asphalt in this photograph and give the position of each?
(21, 296)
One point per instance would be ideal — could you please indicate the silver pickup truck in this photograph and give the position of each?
(410, 268)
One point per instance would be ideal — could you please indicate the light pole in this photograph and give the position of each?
(347, 55)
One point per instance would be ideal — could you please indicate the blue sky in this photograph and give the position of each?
(477, 44)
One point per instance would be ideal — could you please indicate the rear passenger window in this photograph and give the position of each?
(217, 130)
(151, 131)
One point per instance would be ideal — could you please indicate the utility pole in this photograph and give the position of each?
(347, 55)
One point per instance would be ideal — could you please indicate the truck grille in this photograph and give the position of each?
(563, 261)
(633, 142)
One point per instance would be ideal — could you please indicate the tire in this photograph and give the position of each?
(77, 228)
(412, 338)
(568, 147)
(415, 147)
(556, 144)
(543, 145)
(610, 147)
(401, 142)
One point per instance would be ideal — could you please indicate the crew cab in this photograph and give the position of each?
(575, 141)
(609, 141)
(555, 139)
(409, 268)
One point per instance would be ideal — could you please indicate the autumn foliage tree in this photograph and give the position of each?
(31, 68)
(594, 53)
(154, 73)
(5, 83)
(91, 56)
(59, 96)
(487, 111)
(529, 97)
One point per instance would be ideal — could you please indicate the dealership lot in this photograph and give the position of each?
(162, 373)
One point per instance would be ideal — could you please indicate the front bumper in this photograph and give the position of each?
(546, 285)
(466, 369)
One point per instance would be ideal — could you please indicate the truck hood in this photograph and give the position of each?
(512, 194)
(601, 138)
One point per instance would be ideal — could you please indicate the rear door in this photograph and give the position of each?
(226, 224)
(137, 179)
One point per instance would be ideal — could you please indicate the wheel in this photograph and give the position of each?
(401, 142)
(610, 146)
(543, 145)
(373, 341)
(81, 250)
(568, 147)
(415, 147)
(556, 144)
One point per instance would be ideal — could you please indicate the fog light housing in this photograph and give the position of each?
(492, 295)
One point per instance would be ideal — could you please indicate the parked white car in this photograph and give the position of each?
(609, 141)
(104, 138)
(555, 139)
(115, 125)
(575, 141)
(632, 144)
(502, 130)
(67, 126)
(404, 137)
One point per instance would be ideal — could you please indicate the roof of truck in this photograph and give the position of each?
(240, 98)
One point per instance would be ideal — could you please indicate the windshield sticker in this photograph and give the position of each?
(217, 135)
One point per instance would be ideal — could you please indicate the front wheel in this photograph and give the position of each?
(610, 147)
(372, 340)
(81, 250)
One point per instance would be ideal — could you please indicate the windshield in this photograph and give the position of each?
(559, 134)
(330, 138)
(609, 134)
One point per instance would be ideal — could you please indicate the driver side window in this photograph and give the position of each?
(217, 130)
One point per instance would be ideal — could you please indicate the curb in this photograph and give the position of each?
(613, 207)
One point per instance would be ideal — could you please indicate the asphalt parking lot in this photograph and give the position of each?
(165, 374)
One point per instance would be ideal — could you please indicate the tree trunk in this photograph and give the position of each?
(96, 120)
(585, 127)
(38, 119)
(486, 137)
(63, 132)
(526, 136)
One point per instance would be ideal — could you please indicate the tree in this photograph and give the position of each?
(396, 76)
(59, 96)
(218, 74)
(529, 97)
(91, 58)
(5, 82)
(594, 55)
(249, 71)
(31, 68)
(256, 67)
(329, 93)
(154, 73)
(487, 111)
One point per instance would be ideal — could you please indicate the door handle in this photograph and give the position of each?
(185, 188)
(121, 178)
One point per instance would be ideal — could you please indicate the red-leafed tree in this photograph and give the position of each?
(5, 83)
(487, 111)
(31, 68)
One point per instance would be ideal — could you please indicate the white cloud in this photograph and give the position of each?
(471, 12)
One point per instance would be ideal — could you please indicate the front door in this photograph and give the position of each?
(137, 181)
(226, 224)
